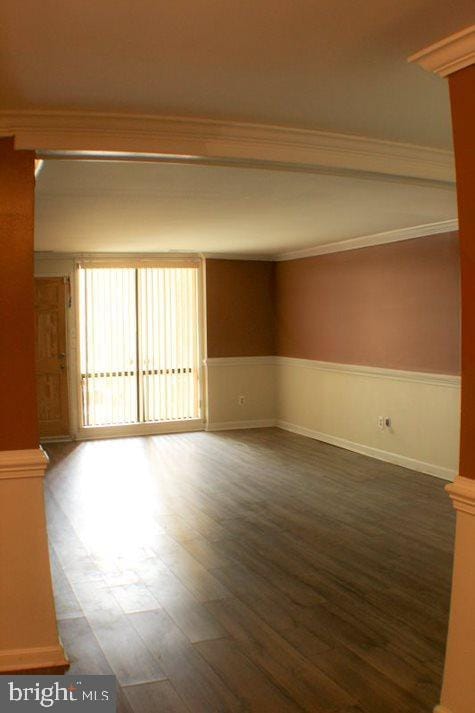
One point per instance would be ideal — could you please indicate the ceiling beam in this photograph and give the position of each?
(449, 55)
(142, 137)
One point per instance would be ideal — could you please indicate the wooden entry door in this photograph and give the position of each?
(51, 364)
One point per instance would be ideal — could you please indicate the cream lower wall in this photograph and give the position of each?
(341, 404)
(230, 378)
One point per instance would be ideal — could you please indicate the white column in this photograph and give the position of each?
(28, 633)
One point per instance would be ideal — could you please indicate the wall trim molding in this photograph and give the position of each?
(27, 463)
(74, 256)
(240, 361)
(34, 658)
(422, 377)
(238, 425)
(373, 371)
(151, 137)
(462, 494)
(239, 256)
(377, 453)
(366, 241)
(441, 709)
(448, 55)
(362, 241)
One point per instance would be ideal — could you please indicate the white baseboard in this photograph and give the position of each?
(387, 456)
(236, 425)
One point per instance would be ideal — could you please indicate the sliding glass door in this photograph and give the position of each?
(139, 343)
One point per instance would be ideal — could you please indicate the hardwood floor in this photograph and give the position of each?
(250, 571)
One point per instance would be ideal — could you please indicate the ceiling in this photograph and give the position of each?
(338, 66)
(333, 66)
(153, 207)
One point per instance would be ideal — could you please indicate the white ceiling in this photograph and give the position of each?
(124, 206)
(339, 66)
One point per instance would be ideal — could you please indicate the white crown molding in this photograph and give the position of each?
(38, 166)
(143, 136)
(365, 241)
(100, 256)
(238, 256)
(172, 255)
(449, 55)
(462, 494)
(420, 377)
(28, 463)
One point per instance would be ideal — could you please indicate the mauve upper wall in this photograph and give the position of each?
(240, 308)
(18, 417)
(395, 306)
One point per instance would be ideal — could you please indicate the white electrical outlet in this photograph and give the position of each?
(381, 423)
(241, 400)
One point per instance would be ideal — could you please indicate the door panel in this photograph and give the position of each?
(51, 365)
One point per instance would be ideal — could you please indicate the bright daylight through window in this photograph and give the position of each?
(139, 343)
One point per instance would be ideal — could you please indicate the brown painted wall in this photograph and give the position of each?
(462, 98)
(394, 306)
(18, 419)
(240, 308)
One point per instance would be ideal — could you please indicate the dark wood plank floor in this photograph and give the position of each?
(250, 571)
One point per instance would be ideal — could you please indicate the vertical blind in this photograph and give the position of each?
(139, 343)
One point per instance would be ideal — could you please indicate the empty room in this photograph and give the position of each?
(237, 454)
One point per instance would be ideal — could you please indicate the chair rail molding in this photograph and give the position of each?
(421, 377)
(449, 55)
(462, 494)
(153, 137)
(41, 659)
(240, 361)
(29, 463)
